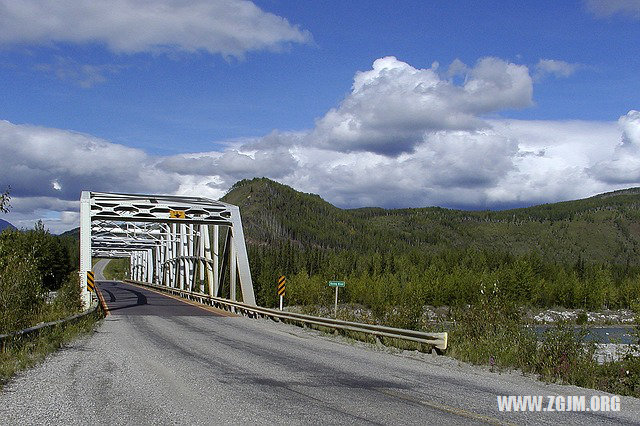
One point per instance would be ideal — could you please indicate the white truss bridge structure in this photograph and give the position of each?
(190, 243)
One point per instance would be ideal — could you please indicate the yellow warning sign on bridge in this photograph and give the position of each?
(91, 282)
(281, 285)
(177, 214)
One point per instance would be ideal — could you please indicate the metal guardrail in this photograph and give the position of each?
(17, 335)
(437, 340)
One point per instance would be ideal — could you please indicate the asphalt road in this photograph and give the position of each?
(98, 268)
(157, 360)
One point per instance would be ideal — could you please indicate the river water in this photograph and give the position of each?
(600, 334)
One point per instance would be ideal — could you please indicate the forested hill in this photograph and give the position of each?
(72, 233)
(601, 229)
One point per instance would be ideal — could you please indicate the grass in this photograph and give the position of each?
(26, 351)
(29, 351)
(117, 269)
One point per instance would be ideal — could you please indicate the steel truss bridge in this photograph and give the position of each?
(190, 243)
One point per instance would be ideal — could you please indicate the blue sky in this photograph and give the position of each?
(188, 97)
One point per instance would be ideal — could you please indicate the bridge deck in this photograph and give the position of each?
(126, 299)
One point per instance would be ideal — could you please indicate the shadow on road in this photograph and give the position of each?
(141, 300)
(112, 298)
(125, 299)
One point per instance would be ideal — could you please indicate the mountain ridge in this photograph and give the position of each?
(601, 228)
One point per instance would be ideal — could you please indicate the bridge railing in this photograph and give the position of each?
(436, 340)
(32, 332)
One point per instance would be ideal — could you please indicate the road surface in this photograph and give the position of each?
(157, 360)
(98, 268)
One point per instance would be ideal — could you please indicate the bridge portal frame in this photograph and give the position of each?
(170, 240)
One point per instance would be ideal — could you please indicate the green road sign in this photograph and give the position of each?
(336, 283)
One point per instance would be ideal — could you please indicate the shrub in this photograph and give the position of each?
(21, 294)
(582, 318)
(564, 357)
(491, 331)
(68, 300)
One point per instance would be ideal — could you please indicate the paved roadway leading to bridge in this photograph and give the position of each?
(98, 268)
(157, 360)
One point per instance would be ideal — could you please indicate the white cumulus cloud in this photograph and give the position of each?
(507, 164)
(393, 106)
(227, 27)
(623, 167)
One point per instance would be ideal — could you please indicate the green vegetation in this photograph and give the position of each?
(380, 280)
(576, 254)
(34, 263)
(117, 269)
(599, 229)
(493, 332)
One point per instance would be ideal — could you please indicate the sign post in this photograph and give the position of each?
(281, 287)
(336, 284)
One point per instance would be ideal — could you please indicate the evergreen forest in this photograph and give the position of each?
(574, 254)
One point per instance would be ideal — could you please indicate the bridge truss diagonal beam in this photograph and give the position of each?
(170, 240)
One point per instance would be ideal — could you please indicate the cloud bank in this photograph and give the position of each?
(227, 27)
(403, 137)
